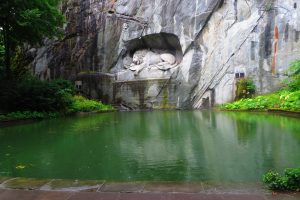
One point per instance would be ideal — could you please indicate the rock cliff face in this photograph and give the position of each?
(172, 53)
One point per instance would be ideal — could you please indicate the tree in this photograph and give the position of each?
(2, 53)
(27, 21)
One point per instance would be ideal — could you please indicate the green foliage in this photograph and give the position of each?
(27, 21)
(290, 181)
(28, 115)
(287, 99)
(2, 51)
(294, 74)
(44, 96)
(245, 88)
(31, 20)
(19, 64)
(31, 98)
(77, 104)
(283, 100)
(81, 104)
(35, 95)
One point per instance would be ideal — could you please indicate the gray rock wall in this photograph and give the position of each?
(212, 40)
(258, 38)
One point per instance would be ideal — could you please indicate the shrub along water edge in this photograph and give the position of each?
(79, 104)
(35, 99)
(286, 99)
(290, 181)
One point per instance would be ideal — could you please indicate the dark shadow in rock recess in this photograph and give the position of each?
(163, 41)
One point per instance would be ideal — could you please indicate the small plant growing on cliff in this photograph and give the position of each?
(294, 75)
(245, 88)
(268, 7)
(290, 181)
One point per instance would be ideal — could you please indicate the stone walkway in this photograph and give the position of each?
(43, 189)
(6, 194)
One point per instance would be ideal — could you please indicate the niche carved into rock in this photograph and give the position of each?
(152, 56)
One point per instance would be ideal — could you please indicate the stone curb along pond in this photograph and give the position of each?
(14, 188)
(129, 187)
(136, 187)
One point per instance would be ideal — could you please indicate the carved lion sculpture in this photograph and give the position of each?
(149, 59)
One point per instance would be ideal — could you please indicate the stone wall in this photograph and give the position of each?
(212, 40)
(96, 86)
(145, 94)
(256, 37)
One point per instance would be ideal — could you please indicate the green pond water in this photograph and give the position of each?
(152, 146)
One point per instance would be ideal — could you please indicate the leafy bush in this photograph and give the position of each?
(35, 99)
(290, 181)
(81, 104)
(245, 88)
(294, 74)
(78, 104)
(2, 53)
(36, 95)
(287, 99)
(283, 100)
(28, 115)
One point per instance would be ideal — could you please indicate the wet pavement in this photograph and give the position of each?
(8, 194)
(44, 189)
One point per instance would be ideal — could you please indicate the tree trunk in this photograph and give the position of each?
(7, 51)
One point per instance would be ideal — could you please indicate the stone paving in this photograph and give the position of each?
(43, 189)
(8, 194)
